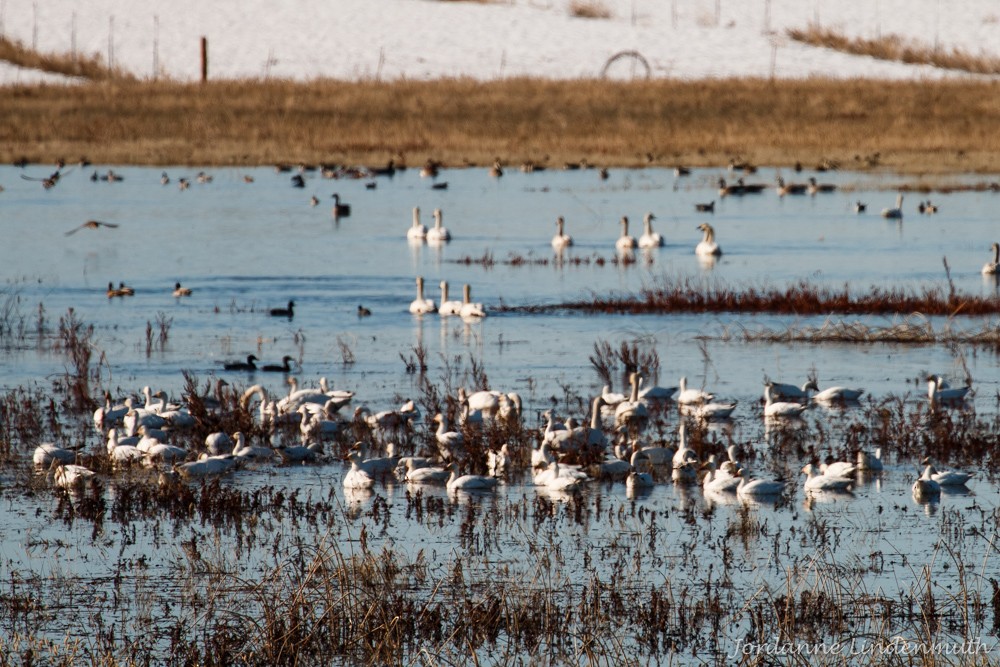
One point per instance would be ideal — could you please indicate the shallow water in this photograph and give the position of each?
(247, 247)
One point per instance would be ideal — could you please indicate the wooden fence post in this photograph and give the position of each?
(204, 59)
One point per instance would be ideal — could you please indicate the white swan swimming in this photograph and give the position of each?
(448, 441)
(951, 478)
(206, 466)
(560, 478)
(707, 247)
(47, 452)
(773, 408)
(925, 487)
(420, 305)
(470, 310)
(820, 481)
(625, 242)
(438, 233)
(561, 240)
(837, 468)
(687, 396)
(837, 395)
(425, 474)
(417, 230)
(757, 488)
(714, 411)
(638, 479)
(782, 391)
(991, 268)
(717, 482)
(70, 475)
(896, 212)
(938, 392)
(453, 307)
(649, 238)
(632, 412)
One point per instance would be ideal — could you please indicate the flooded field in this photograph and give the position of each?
(276, 561)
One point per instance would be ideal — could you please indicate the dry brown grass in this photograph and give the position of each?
(918, 127)
(894, 47)
(589, 9)
(88, 67)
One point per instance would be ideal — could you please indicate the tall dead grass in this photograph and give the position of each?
(910, 126)
(897, 48)
(88, 67)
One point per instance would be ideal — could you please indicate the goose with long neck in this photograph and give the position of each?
(649, 238)
(470, 309)
(625, 242)
(895, 212)
(991, 268)
(707, 247)
(632, 412)
(447, 307)
(438, 233)
(420, 305)
(417, 231)
(561, 239)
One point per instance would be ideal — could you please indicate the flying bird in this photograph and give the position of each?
(92, 224)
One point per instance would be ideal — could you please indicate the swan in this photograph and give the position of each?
(773, 408)
(181, 291)
(498, 463)
(438, 233)
(632, 412)
(684, 455)
(717, 482)
(447, 307)
(110, 414)
(816, 481)
(243, 451)
(417, 231)
(939, 393)
(249, 365)
(559, 477)
(314, 428)
(207, 465)
(561, 240)
(448, 441)
(868, 461)
(469, 482)
(657, 393)
(925, 487)
(757, 488)
(649, 238)
(357, 477)
(554, 434)
(420, 305)
(425, 474)
(707, 247)
(614, 469)
(161, 452)
(296, 398)
(219, 443)
(687, 396)
(297, 453)
(69, 475)
(46, 453)
(895, 213)
(782, 391)
(990, 268)
(714, 411)
(638, 479)
(470, 309)
(837, 395)
(611, 398)
(837, 468)
(950, 478)
(625, 242)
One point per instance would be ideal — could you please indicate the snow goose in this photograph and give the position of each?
(649, 238)
(757, 488)
(438, 233)
(417, 230)
(71, 476)
(561, 240)
(945, 478)
(716, 481)
(938, 392)
(896, 212)
(707, 247)
(782, 391)
(357, 477)
(625, 242)
(420, 305)
(687, 396)
(817, 481)
(990, 268)
(837, 468)
(206, 466)
(469, 482)
(778, 409)
(870, 461)
(837, 395)
(925, 487)
(425, 474)
(632, 413)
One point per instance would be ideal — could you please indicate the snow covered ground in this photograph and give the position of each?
(428, 39)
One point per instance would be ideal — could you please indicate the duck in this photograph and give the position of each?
(870, 461)
(357, 477)
(625, 242)
(707, 247)
(430, 169)
(926, 487)
(687, 396)
(790, 188)
(860, 206)
(181, 291)
(340, 210)
(288, 311)
(468, 482)
(938, 392)
(649, 238)
(283, 367)
(438, 233)
(363, 311)
(114, 291)
(248, 365)
(470, 309)
(778, 409)
(561, 240)
(950, 478)
(417, 231)
(757, 488)
(447, 307)
(496, 171)
(990, 268)
(125, 290)
(420, 305)
(705, 207)
(816, 188)
(894, 213)
(817, 481)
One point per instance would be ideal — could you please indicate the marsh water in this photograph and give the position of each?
(246, 245)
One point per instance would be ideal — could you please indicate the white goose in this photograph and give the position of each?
(950, 478)
(420, 305)
(782, 391)
(991, 268)
(649, 238)
(206, 466)
(425, 474)
(71, 476)
(925, 487)
(469, 482)
(718, 482)
(870, 461)
(625, 242)
(558, 478)
(47, 452)
(938, 392)
(638, 479)
(470, 310)
(687, 396)
(448, 441)
(417, 230)
(707, 247)
(837, 395)
(896, 212)
(632, 413)
(357, 477)
(438, 233)
(779, 409)
(757, 488)
(837, 468)
(817, 481)
(561, 240)
(447, 308)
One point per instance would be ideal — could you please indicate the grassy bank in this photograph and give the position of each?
(925, 127)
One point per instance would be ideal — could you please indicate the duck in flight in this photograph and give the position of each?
(92, 224)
